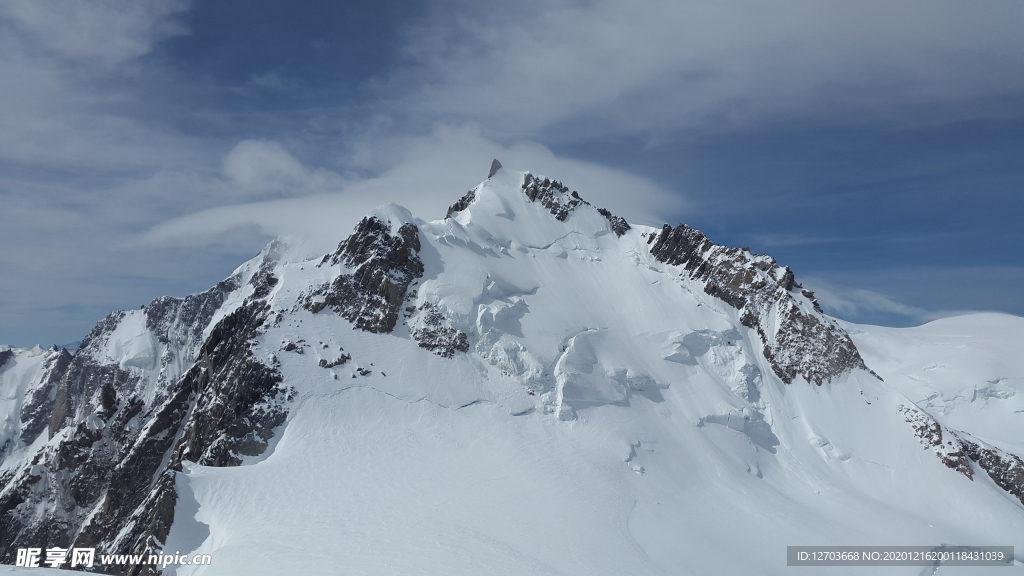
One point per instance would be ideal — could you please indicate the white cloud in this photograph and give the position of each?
(427, 175)
(70, 73)
(102, 33)
(849, 302)
(90, 166)
(264, 167)
(870, 306)
(606, 67)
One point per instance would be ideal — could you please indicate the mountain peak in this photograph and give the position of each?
(528, 331)
(495, 166)
(509, 189)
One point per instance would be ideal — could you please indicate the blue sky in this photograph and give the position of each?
(148, 147)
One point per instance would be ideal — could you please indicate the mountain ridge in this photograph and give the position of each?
(524, 299)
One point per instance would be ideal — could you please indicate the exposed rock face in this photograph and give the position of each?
(263, 281)
(240, 400)
(796, 341)
(37, 410)
(462, 204)
(1007, 470)
(118, 431)
(618, 224)
(552, 195)
(432, 331)
(383, 266)
(957, 450)
(949, 448)
(558, 200)
(117, 427)
(495, 166)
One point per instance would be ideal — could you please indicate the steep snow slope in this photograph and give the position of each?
(533, 386)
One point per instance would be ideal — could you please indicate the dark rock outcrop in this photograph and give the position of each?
(618, 224)
(117, 434)
(340, 361)
(462, 204)
(797, 342)
(957, 450)
(383, 267)
(495, 166)
(558, 200)
(552, 195)
(949, 448)
(1005, 469)
(240, 400)
(36, 412)
(432, 331)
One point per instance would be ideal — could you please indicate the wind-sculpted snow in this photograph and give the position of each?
(797, 341)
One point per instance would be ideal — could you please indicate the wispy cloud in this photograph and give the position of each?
(607, 67)
(941, 289)
(265, 168)
(427, 174)
(849, 303)
(97, 34)
(118, 183)
(784, 240)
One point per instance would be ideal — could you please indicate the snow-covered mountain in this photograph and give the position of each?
(530, 386)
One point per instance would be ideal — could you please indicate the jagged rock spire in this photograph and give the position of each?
(495, 166)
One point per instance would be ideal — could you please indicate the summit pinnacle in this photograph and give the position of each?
(495, 166)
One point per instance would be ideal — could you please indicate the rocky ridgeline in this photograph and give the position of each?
(1005, 469)
(796, 342)
(383, 267)
(557, 199)
(956, 450)
(462, 203)
(116, 433)
(552, 195)
(948, 447)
